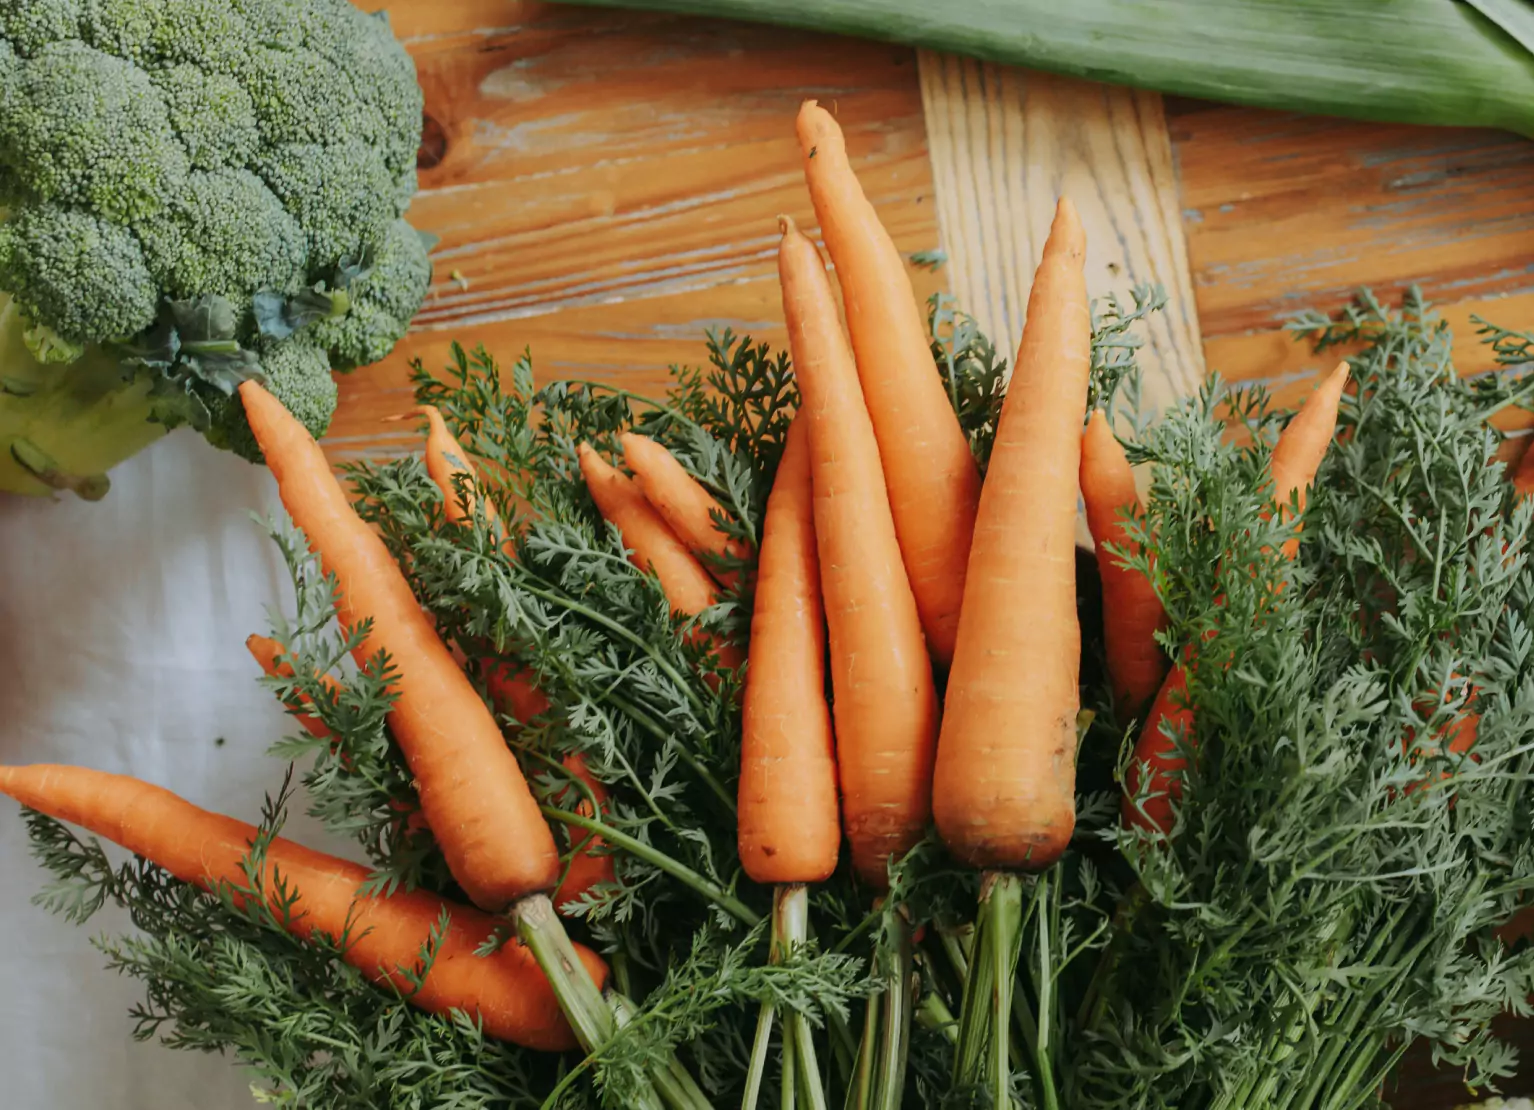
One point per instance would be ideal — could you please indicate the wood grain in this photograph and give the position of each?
(1005, 145)
(605, 184)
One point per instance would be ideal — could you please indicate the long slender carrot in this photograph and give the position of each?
(682, 502)
(506, 991)
(1296, 458)
(1132, 612)
(787, 823)
(473, 794)
(1004, 795)
(885, 704)
(510, 687)
(933, 482)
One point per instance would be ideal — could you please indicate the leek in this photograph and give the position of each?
(1460, 62)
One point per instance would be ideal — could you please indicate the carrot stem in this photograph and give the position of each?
(860, 1090)
(679, 871)
(894, 1020)
(790, 927)
(982, 1054)
(758, 1066)
(539, 928)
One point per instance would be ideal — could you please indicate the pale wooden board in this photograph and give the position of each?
(1006, 144)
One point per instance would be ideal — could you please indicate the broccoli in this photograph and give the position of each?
(194, 192)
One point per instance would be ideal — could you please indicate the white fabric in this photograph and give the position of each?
(122, 630)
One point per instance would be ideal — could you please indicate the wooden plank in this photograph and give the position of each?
(1005, 145)
(605, 184)
(1287, 212)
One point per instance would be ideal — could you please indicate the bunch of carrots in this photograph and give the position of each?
(940, 611)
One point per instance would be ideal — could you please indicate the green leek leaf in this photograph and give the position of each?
(1461, 62)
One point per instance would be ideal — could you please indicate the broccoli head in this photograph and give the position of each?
(250, 160)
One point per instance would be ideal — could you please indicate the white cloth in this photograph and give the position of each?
(122, 647)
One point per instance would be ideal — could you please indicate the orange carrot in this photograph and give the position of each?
(1296, 458)
(266, 652)
(653, 546)
(1004, 796)
(506, 991)
(1523, 477)
(592, 864)
(1132, 612)
(513, 693)
(885, 704)
(473, 794)
(788, 827)
(446, 460)
(682, 502)
(933, 483)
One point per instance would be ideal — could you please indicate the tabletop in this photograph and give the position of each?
(605, 187)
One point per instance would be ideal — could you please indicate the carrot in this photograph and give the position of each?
(682, 502)
(788, 827)
(1004, 796)
(1296, 458)
(933, 483)
(885, 704)
(512, 691)
(1523, 477)
(506, 991)
(590, 865)
(446, 460)
(266, 652)
(653, 546)
(1132, 612)
(472, 792)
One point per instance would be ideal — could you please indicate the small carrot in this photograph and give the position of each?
(513, 693)
(653, 546)
(473, 794)
(446, 460)
(788, 826)
(1296, 458)
(1132, 612)
(933, 482)
(682, 502)
(885, 703)
(507, 992)
(266, 651)
(1523, 477)
(1004, 794)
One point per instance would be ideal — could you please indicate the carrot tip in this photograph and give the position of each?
(786, 224)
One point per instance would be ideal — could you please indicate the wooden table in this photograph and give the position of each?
(605, 186)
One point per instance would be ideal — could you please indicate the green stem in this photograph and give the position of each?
(860, 1090)
(790, 927)
(676, 1086)
(679, 871)
(981, 1056)
(933, 1014)
(789, 1088)
(1044, 1051)
(894, 1018)
(704, 774)
(757, 1068)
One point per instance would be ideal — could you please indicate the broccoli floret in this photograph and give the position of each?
(383, 302)
(66, 134)
(165, 162)
(30, 25)
(213, 116)
(338, 194)
(84, 278)
(227, 235)
(297, 372)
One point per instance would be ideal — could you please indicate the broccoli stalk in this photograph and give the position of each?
(63, 428)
